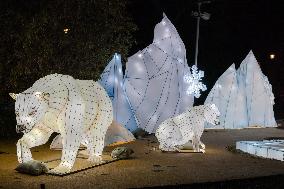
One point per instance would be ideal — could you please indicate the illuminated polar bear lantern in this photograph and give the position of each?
(80, 111)
(187, 127)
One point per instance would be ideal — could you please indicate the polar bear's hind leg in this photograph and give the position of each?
(103, 120)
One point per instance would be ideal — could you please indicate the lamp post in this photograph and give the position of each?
(205, 16)
(194, 79)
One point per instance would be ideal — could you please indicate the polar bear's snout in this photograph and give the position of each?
(217, 121)
(20, 128)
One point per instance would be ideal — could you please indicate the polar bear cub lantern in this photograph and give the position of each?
(187, 127)
(80, 110)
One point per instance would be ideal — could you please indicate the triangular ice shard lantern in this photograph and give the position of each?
(258, 91)
(112, 81)
(225, 95)
(154, 78)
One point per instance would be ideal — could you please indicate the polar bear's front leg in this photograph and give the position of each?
(36, 137)
(69, 153)
(202, 146)
(23, 150)
(196, 143)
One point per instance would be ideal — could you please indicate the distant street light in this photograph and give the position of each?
(205, 16)
(66, 30)
(272, 56)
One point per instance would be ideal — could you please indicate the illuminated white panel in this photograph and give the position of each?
(271, 149)
(258, 93)
(112, 80)
(225, 95)
(244, 97)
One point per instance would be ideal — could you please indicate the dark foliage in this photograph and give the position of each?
(34, 44)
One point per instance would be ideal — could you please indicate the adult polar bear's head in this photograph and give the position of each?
(29, 109)
(211, 114)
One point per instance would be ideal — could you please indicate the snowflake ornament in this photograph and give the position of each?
(194, 81)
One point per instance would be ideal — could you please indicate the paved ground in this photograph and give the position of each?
(150, 167)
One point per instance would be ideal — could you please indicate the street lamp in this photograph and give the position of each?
(193, 79)
(205, 16)
(272, 56)
(66, 30)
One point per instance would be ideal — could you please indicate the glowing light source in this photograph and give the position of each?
(272, 56)
(194, 81)
(66, 30)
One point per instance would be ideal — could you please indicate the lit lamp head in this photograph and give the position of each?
(205, 16)
(272, 56)
(66, 30)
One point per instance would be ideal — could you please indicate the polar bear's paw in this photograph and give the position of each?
(202, 145)
(84, 153)
(95, 159)
(59, 170)
(165, 148)
(202, 150)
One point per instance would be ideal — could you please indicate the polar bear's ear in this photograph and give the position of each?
(13, 95)
(213, 106)
(42, 95)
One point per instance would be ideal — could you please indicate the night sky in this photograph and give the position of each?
(235, 28)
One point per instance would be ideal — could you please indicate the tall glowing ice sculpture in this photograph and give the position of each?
(244, 97)
(258, 91)
(112, 81)
(154, 78)
(226, 96)
(80, 110)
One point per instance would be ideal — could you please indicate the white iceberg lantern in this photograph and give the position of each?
(244, 97)
(258, 93)
(153, 79)
(194, 81)
(112, 81)
(226, 95)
